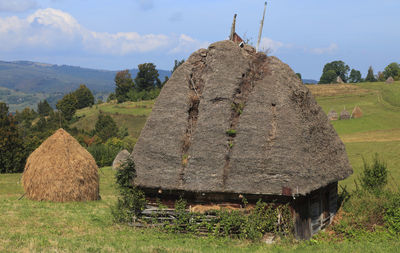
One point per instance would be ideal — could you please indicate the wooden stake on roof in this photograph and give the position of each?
(233, 27)
(261, 27)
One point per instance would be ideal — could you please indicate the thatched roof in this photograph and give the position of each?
(357, 113)
(344, 115)
(333, 115)
(230, 120)
(121, 158)
(61, 170)
(390, 80)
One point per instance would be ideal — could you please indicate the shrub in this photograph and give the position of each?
(392, 213)
(374, 177)
(103, 154)
(131, 201)
(231, 132)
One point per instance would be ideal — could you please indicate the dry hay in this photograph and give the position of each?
(61, 170)
(339, 80)
(344, 115)
(336, 90)
(333, 115)
(120, 159)
(390, 80)
(357, 113)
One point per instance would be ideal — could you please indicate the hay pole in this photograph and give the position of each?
(233, 27)
(261, 27)
(23, 195)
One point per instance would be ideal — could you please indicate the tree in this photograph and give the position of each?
(177, 64)
(370, 76)
(44, 108)
(124, 84)
(355, 76)
(68, 105)
(84, 96)
(328, 77)
(392, 70)
(340, 69)
(106, 127)
(147, 77)
(298, 75)
(12, 153)
(380, 76)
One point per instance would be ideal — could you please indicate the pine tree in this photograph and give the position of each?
(370, 76)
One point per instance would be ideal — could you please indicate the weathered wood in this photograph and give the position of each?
(261, 27)
(233, 27)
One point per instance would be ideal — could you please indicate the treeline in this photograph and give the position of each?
(336, 69)
(21, 133)
(145, 86)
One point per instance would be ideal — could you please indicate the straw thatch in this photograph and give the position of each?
(120, 159)
(344, 115)
(390, 80)
(333, 115)
(231, 120)
(357, 113)
(61, 170)
(339, 80)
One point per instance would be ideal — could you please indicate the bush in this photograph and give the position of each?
(103, 154)
(392, 213)
(131, 201)
(374, 177)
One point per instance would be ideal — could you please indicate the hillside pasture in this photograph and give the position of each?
(130, 115)
(378, 131)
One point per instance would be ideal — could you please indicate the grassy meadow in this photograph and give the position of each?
(29, 226)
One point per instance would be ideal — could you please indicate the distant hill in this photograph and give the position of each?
(309, 81)
(34, 77)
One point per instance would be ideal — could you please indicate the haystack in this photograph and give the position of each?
(357, 113)
(120, 159)
(339, 80)
(344, 115)
(61, 170)
(390, 80)
(333, 115)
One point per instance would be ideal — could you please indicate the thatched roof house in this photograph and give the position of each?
(390, 80)
(357, 113)
(233, 122)
(61, 170)
(333, 115)
(344, 115)
(120, 159)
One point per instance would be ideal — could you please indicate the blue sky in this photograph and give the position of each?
(120, 34)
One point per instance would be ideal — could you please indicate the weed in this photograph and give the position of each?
(231, 132)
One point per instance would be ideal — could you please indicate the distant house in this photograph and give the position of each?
(220, 131)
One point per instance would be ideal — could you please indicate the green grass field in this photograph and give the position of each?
(130, 115)
(378, 131)
(29, 226)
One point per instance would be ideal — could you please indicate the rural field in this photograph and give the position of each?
(29, 226)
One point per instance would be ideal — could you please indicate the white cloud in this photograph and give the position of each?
(187, 44)
(17, 5)
(50, 29)
(267, 44)
(325, 50)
